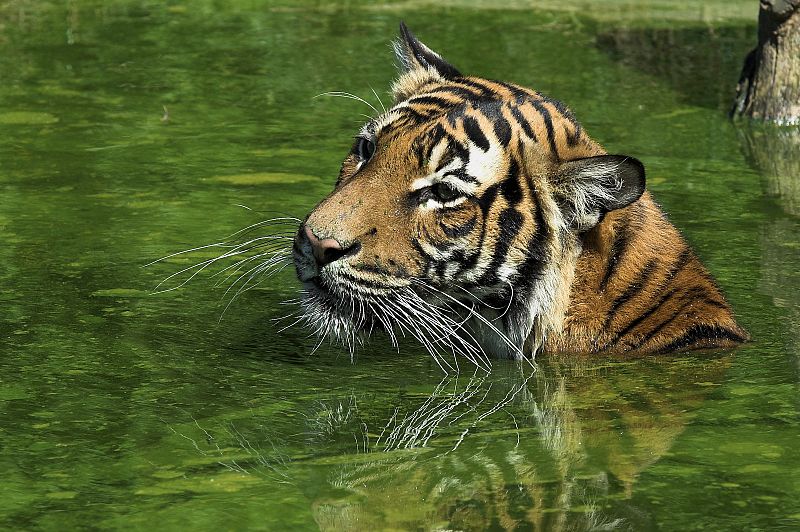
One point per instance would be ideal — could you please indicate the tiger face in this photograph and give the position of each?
(463, 202)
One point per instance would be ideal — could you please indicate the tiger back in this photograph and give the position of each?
(479, 217)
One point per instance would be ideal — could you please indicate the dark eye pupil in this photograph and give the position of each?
(444, 192)
(365, 149)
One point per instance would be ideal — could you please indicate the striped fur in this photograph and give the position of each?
(488, 195)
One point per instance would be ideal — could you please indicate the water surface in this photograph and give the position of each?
(131, 129)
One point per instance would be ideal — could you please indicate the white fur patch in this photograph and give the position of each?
(484, 165)
(438, 151)
(423, 182)
(434, 204)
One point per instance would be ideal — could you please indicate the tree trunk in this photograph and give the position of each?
(769, 87)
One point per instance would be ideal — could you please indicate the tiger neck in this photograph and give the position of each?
(638, 287)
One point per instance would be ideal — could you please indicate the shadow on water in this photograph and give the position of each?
(559, 448)
(775, 153)
(702, 63)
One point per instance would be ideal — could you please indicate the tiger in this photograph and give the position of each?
(480, 218)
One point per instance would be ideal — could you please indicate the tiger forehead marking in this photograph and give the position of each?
(477, 215)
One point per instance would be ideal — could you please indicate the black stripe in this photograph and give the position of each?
(633, 290)
(493, 111)
(510, 188)
(446, 158)
(461, 92)
(433, 139)
(484, 202)
(458, 258)
(523, 123)
(520, 93)
(539, 241)
(440, 268)
(642, 317)
(440, 103)
(502, 129)
(717, 304)
(700, 332)
(397, 124)
(485, 92)
(442, 246)
(548, 124)
(531, 270)
(572, 137)
(474, 133)
(460, 151)
(413, 116)
(458, 231)
(689, 299)
(437, 134)
(461, 174)
(542, 230)
(622, 238)
(680, 264)
(366, 283)
(455, 114)
(510, 223)
(561, 108)
(419, 149)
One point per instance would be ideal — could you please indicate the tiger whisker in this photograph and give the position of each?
(516, 349)
(476, 298)
(264, 249)
(351, 96)
(378, 98)
(198, 248)
(232, 251)
(298, 320)
(254, 272)
(448, 330)
(450, 326)
(510, 301)
(223, 243)
(262, 223)
(415, 331)
(445, 330)
(292, 314)
(200, 265)
(275, 254)
(281, 215)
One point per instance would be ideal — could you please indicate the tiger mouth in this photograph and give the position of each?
(344, 295)
(344, 282)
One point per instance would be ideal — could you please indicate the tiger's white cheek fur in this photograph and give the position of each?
(549, 299)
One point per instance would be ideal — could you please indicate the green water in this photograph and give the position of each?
(129, 130)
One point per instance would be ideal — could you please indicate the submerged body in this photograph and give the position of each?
(479, 217)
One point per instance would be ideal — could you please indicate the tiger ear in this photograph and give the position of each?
(588, 188)
(418, 64)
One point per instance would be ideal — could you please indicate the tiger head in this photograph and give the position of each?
(457, 215)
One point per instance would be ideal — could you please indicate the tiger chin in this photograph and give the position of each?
(479, 217)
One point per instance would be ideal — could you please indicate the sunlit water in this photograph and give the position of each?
(129, 130)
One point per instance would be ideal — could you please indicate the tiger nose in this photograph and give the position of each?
(327, 250)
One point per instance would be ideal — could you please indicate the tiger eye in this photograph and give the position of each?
(445, 192)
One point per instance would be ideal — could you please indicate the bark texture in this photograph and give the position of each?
(769, 87)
